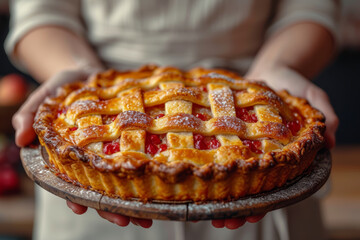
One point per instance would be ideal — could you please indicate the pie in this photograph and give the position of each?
(160, 133)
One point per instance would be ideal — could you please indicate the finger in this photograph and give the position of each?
(332, 123)
(24, 134)
(76, 208)
(117, 219)
(234, 223)
(330, 139)
(319, 99)
(218, 223)
(145, 223)
(254, 219)
(23, 119)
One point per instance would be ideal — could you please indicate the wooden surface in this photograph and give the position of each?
(17, 211)
(293, 192)
(341, 205)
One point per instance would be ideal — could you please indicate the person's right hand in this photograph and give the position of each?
(235, 223)
(23, 121)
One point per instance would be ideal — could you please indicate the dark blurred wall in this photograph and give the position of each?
(5, 65)
(341, 80)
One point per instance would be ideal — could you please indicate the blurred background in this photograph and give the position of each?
(341, 80)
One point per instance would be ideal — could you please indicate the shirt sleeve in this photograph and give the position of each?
(323, 12)
(26, 15)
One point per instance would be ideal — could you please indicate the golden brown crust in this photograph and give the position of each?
(227, 172)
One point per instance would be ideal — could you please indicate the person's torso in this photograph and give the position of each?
(176, 32)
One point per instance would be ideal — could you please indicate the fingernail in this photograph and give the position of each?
(14, 121)
(17, 138)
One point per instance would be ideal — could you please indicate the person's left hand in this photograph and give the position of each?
(282, 77)
(117, 219)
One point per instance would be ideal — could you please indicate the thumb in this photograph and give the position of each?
(23, 119)
(22, 123)
(320, 100)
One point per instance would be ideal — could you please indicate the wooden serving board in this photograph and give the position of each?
(34, 162)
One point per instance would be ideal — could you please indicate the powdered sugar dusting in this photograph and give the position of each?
(271, 96)
(223, 102)
(217, 75)
(230, 124)
(133, 118)
(86, 105)
(185, 91)
(272, 114)
(267, 113)
(184, 120)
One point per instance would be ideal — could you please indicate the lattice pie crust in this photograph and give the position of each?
(162, 133)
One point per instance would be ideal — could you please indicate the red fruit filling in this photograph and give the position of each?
(199, 142)
(162, 147)
(214, 143)
(254, 145)
(294, 126)
(204, 89)
(204, 143)
(111, 147)
(155, 143)
(73, 128)
(203, 117)
(155, 139)
(246, 115)
(151, 149)
(159, 116)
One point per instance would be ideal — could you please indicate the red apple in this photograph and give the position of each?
(9, 180)
(12, 153)
(13, 89)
